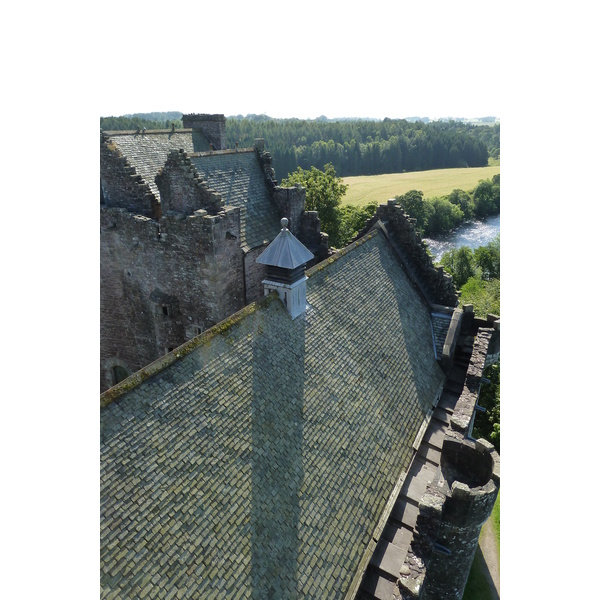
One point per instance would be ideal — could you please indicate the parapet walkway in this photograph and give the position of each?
(383, 571)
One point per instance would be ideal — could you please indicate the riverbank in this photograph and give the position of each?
(472, 234)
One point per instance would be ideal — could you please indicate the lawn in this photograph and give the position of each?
(438, 182)
(477, 587)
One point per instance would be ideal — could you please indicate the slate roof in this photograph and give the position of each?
(239, 177)
(148, 151)
(440, 322)
(258, 464)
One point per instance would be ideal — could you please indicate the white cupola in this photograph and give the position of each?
(286, 258)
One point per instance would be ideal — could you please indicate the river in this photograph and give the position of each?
(473, 234)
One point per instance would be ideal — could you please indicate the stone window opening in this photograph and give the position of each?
(166, 310)
(118, 373)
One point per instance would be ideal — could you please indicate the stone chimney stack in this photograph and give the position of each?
(286, 258)
(212, 126)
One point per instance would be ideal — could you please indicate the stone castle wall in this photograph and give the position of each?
(182, 189)
(163, 283)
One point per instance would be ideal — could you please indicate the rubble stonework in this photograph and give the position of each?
(163, 283)
(182, 189)
(212, 126)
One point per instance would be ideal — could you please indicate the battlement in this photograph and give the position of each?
(433, 282)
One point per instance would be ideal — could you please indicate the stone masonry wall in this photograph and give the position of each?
(212, 126)
(291, 202)
(254, 274)
(164, 283)
(182, 189)
(459, 499)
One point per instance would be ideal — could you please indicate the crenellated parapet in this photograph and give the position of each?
(121, 186)
(164, 282)
(461, 422)
(437, 286)
(266, 161)
(182, 188)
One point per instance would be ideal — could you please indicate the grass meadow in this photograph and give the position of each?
(438, 182)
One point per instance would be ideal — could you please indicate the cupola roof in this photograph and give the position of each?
(285, 251)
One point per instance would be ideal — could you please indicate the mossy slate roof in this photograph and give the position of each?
(239, 178)
(258, 464)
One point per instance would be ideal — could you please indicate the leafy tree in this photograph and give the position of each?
(324, 191)
(487, 425)
(412, 203)
(464, 202)
(487, 258)
(460, 263)
(354, 219)
(486, 197)
(444, 216)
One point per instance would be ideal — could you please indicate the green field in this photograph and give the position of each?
(439, 182)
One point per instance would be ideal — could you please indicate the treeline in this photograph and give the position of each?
(352, 146)
(435, 216)
(157, 120)
(363, 147)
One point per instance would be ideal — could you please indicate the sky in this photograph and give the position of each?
(289, 59)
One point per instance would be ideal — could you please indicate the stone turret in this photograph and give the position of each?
(212, 126)
(452, 511)
(286, 258)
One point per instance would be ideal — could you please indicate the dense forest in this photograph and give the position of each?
(352, 146)
(368, 147)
